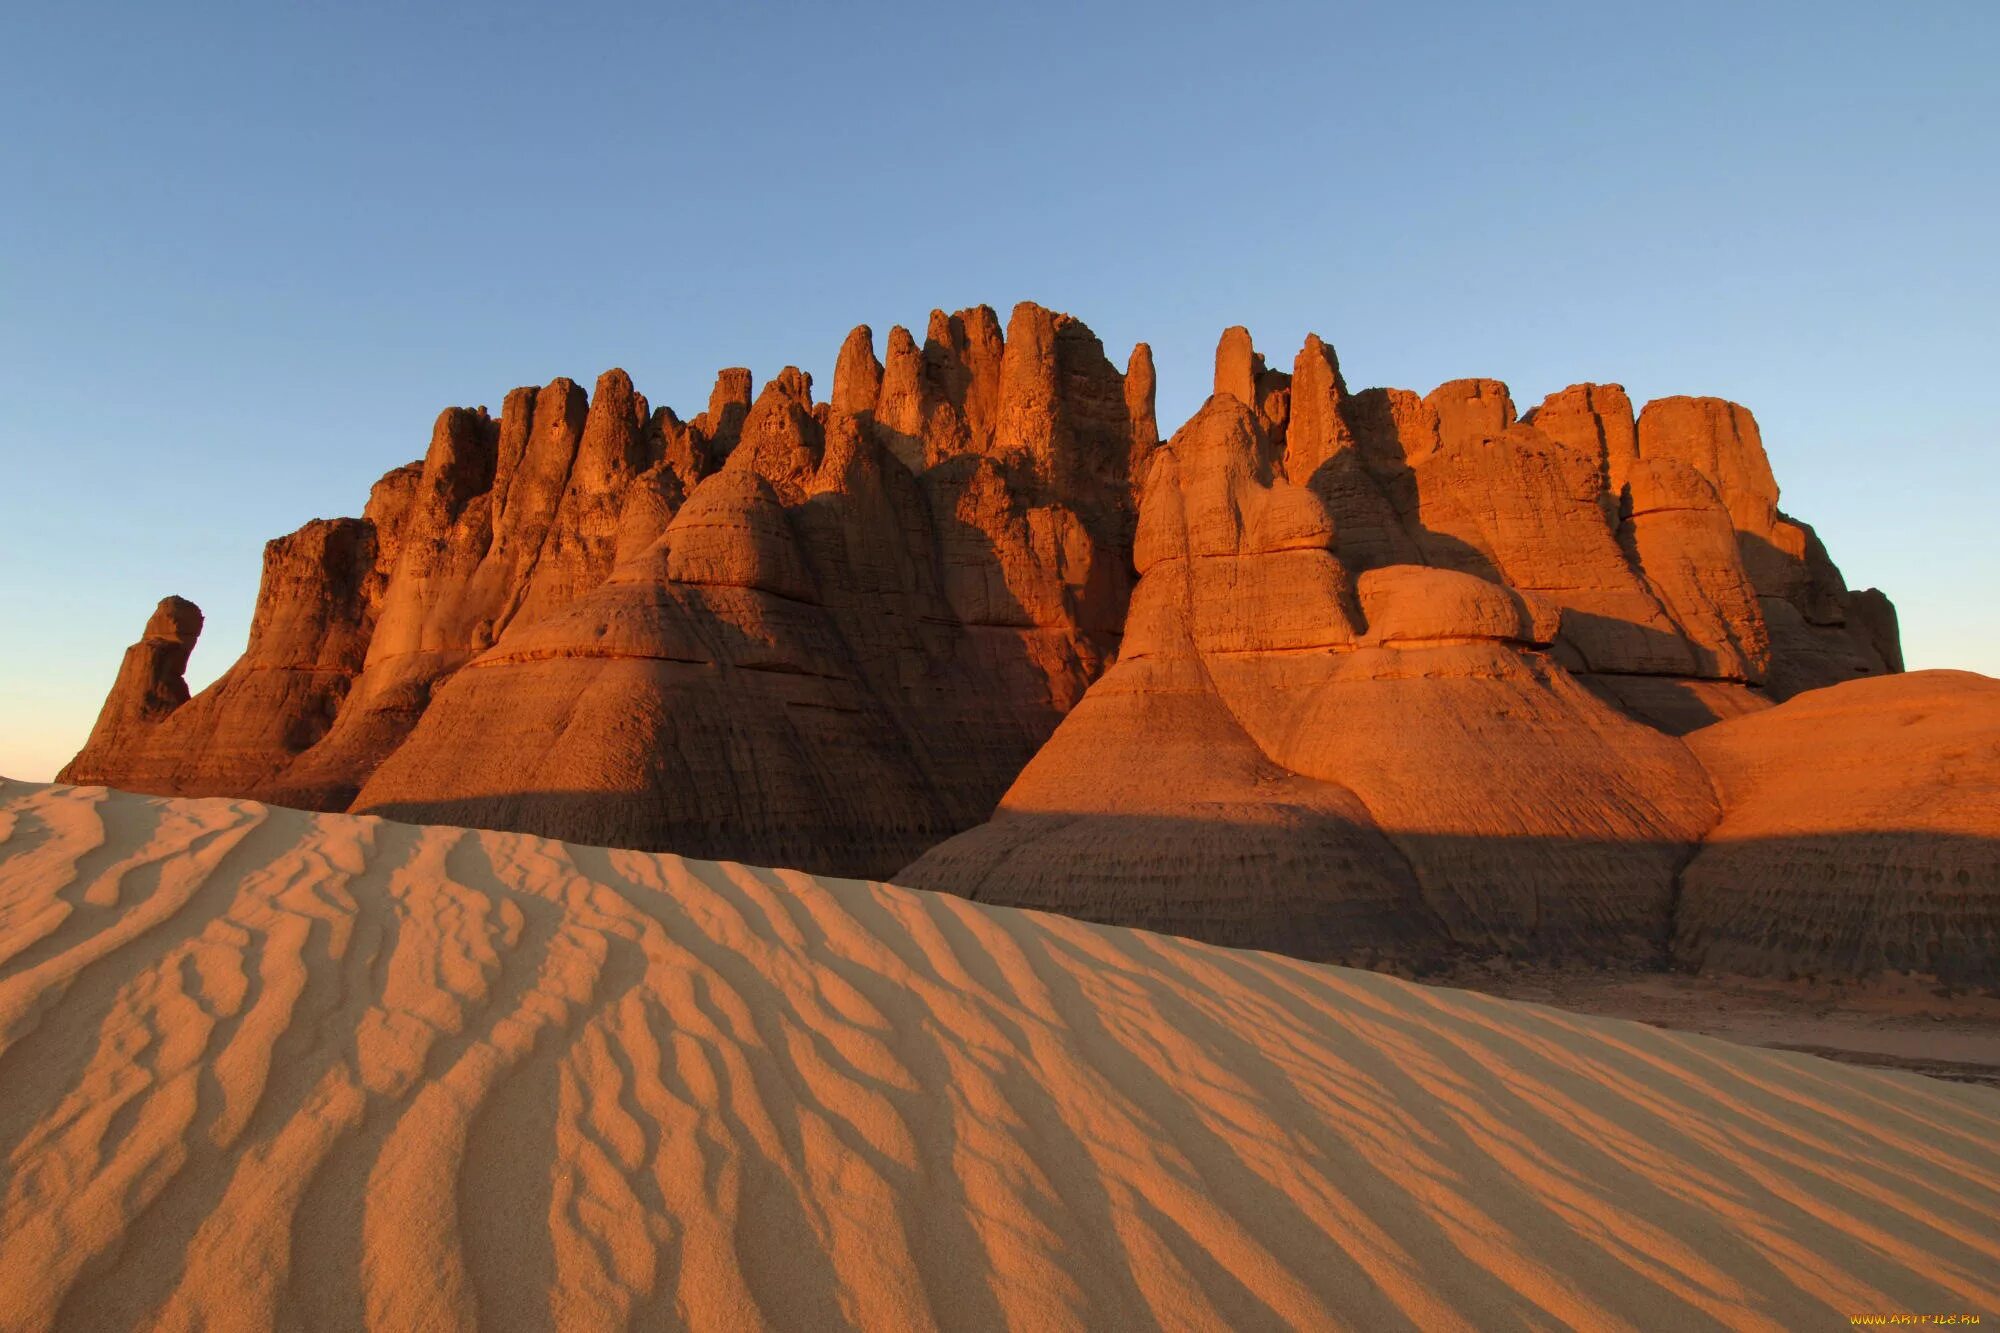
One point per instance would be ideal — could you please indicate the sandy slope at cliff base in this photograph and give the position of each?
(264, 1068)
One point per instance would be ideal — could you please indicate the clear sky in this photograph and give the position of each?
(247, 252)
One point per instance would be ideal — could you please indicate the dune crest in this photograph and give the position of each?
(265, 1067)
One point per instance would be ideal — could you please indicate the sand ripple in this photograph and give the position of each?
(261, 1068)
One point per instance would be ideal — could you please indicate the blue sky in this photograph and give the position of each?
(247, 253)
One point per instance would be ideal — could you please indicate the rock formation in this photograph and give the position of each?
(152, 680)
(1408, 674)
(824, 634)
(1153, 804)
(1861, 833)
(1391, 764)
(1310, 743)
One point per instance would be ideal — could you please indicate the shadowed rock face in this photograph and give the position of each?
(1373, 636)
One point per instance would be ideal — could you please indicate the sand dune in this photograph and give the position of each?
(263, 1068)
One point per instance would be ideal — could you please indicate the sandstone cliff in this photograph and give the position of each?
(1393, 764)
(1406, 672)
(808, 633)
(1313, 743)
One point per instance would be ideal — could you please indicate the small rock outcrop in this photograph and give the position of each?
(151, 684)
(309, 634)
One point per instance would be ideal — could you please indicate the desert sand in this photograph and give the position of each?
(1898, 1021)
(266, 1068)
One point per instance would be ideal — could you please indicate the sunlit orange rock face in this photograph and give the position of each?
(1340, 673)
(1414, 678)
(788, 631)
